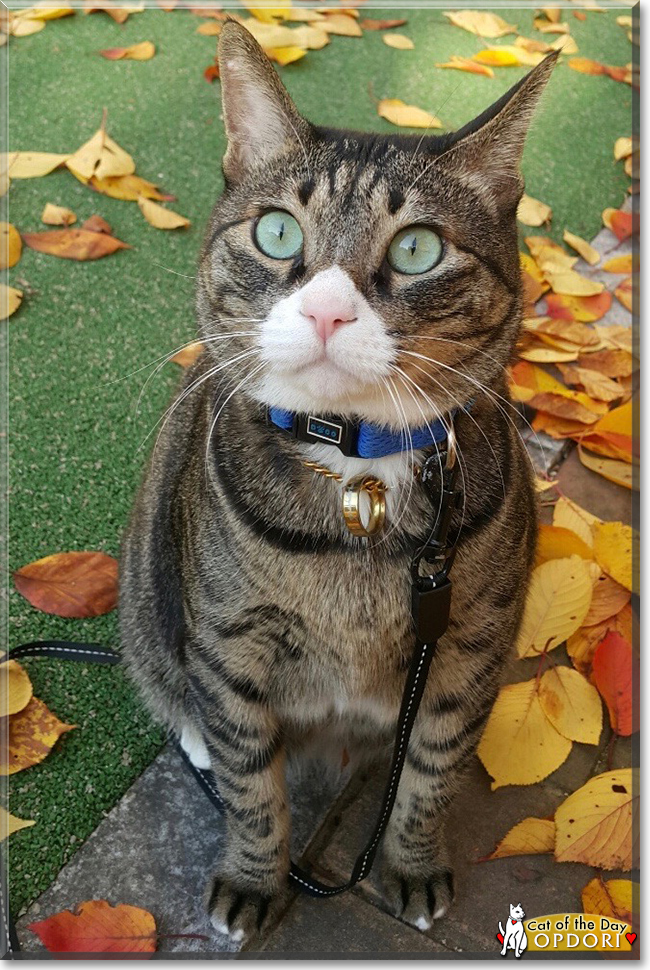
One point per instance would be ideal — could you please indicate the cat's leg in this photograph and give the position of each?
(416, 875)
(246, 752)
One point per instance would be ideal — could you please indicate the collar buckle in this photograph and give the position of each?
(330, 431)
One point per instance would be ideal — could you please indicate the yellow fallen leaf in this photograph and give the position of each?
(466, 64)
(211, 28)
(545, 27)
(520, 746)
(100, 157)
(136, 52)
(159, 217)
(624, 293)
(10, 824)
(531, 836)
(10, 299)
(11, 245)
(554, 14)
(623, 147)
(285, 55)
(304, 15)
(582, 644)
(15, 688)
(594, 825)
(571, 704)
(615, 546)
(128, 188)
(547, 252)
(613, 898)
(614, 470)
(532, 212)
(624, 21)
(310, 37)
(497, 57)
(342, 24)
(556, 542)
(620, 264)
(23, 27)
(570, 283)
(521, 56)
(581, 246)
(557, 603)
(540, 353)
(46, 11)
(542, 485)
(406, 115)
(569, 515)
(29, 165)
(565, 331)
(269, 15)
(57, 215)
(565, 45)
(481, 23)
(188, 354)
(33, 732)
(593, 382)
(271, 34)
(400, 41)
(608, 599)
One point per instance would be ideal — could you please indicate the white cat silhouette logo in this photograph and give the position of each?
(514, 936)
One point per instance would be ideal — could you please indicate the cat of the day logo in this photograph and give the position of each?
(563, 932)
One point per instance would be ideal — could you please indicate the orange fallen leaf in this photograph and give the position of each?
(624, 293)
(98, 927)
(76, 244)
(211, 73)
(209, 29)
(72, 584)
(465, 64)
(610, 362)
(558, 428)
(33, 732)
(582, 644)
(97, 224)
(556, 542)
(622, 224)
(613, 674)
(370, 24)
(592, 382)
(587, 309)
(621, 264)
(607, 600)
(187, 356)
(57, 215)
(136, 52)
(159, 217)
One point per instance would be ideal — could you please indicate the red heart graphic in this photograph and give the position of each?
(499, 937)
(513, 921)
(630, 937)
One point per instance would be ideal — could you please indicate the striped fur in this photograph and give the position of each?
(253, 622)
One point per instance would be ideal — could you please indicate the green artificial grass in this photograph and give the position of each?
(84, 327)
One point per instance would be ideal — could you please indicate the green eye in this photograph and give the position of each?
(278, 235)
(415, 250)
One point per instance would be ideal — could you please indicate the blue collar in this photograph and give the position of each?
(355, 439)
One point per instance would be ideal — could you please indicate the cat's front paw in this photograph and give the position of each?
(418, 899)
(239, 911)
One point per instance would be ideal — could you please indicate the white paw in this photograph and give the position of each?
(440, 912)
(423, 923)
(194, 747)
(235, 935)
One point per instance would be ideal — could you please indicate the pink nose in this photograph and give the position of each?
(327, 312)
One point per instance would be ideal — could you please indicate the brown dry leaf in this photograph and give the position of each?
(567, 332)
(33, 732)
(15, 688)
(481, 23)
(209, 29)
(594, 825)
(613, 898)
(612, 362)
(558, 600)
(11, 245)
(29, 165)
(532, 212)
(159, 217)
(71, 584)
(98, 927)
(57, 215)
(465, 64)
(10, 300)
(100, 157)
(399, 41)
(128, 188)
(531, 836)
(78, 244)
(369, 24)
(571, 704)
(10, 824)
(614, 470)
(136, 52)
(624, 293)
(97, 224)
(211, 73)
(406, 115)
(520, 746)
(593, 383)
(187, 356)
(341, 24)
(581, 246)
(582, 645)
(557, 428)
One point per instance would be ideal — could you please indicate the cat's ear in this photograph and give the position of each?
(488, 150)
(260, 117)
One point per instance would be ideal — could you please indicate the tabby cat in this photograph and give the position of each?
(374, 277)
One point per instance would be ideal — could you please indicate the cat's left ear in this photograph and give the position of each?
(489, 149)
(260, 118)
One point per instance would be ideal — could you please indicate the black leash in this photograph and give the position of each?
(430, 606)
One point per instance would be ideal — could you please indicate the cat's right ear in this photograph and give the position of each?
(260, 118)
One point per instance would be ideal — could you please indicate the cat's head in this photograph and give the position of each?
(516, 912)
(369, 275)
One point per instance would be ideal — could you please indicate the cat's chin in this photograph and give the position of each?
(321, 388)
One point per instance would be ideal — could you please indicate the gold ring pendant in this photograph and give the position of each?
(376, 492)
